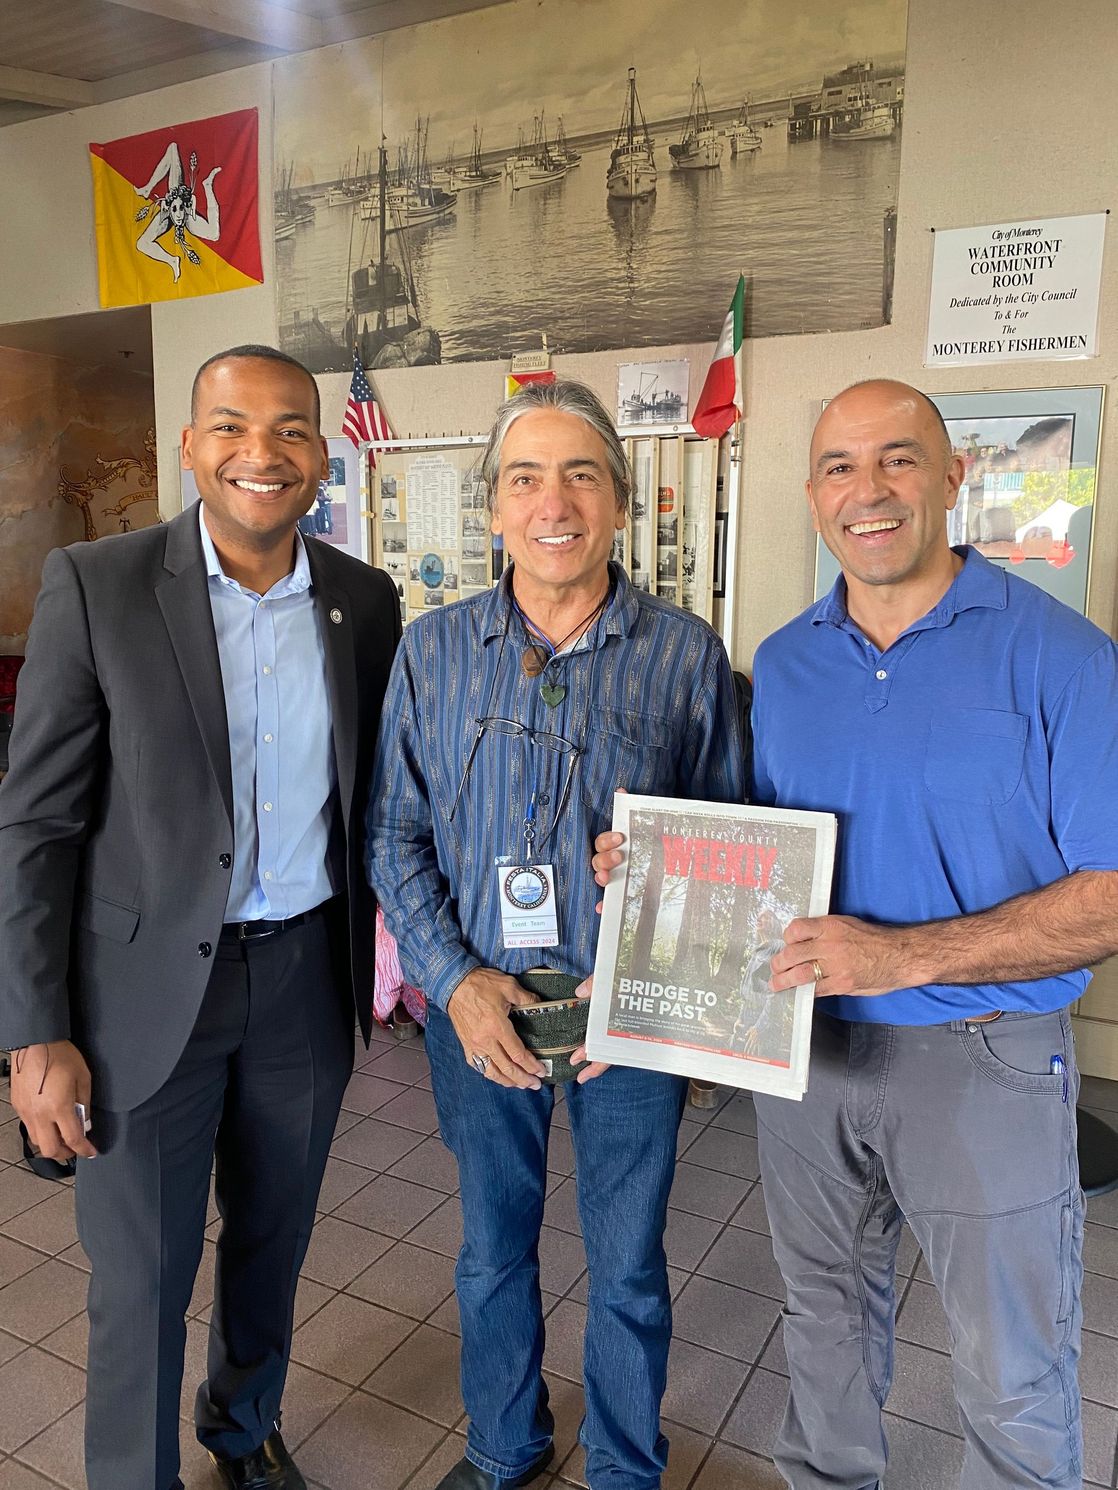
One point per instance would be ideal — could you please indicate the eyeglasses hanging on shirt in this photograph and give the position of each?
(526, 891)
(533, 662)
(546, 740)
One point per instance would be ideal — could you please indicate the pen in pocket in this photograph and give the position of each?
(1056, 1067)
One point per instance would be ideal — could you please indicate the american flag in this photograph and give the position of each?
(364, 418)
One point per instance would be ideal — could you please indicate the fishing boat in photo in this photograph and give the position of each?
(631, 173)
(742, 136)
(561, 150)
(468, 176)
(412, 205)
(383, 319)
(348, 189)
(417, 203)
(700, 145)
(412, 199)
(647, 404)
(866, 120)
(292, 209)
(536, 164)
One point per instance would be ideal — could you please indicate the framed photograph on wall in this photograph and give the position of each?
(1028, 493)
(336, 514)
(653, 392)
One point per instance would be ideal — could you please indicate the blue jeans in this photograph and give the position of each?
(623, 1126)
(962, 1129)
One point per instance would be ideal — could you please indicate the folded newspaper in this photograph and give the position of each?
(690, 925)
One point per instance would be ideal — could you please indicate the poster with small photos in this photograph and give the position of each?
(430, 526)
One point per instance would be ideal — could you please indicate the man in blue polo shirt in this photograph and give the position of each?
(964, 727)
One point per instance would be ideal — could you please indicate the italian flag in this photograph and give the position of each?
(720, 403)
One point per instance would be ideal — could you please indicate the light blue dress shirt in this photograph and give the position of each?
(281, 745)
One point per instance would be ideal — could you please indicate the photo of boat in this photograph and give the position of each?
(350, 186)
(383, 320)
(561, 150)
(413, 199)
(468, 177)
(742, 136)
(291, 209)
(631, 173)
(646, 405)
(595, 251)
(868, 121)
(700, 146)
(537, 164)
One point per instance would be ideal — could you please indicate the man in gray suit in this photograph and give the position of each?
(184, 922)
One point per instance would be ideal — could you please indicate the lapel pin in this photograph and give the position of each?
(336, 616)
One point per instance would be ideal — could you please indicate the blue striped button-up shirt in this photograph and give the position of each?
(281, 743)
(649, 703)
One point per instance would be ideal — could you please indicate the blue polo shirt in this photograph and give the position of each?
(973, 760)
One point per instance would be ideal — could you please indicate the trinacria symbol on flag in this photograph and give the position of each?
(165, 232)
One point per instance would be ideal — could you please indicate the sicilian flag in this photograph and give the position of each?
(175, 211)
(514, 382)
(721, 403)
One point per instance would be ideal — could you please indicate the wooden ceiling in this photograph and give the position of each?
(68, 54)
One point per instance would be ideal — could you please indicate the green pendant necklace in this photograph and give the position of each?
(540, 651)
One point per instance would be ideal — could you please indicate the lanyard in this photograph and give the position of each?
(529, 826)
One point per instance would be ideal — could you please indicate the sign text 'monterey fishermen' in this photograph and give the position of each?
(1015, 291)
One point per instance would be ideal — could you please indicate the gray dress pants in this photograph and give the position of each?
(963, 1130)
(256, 1092)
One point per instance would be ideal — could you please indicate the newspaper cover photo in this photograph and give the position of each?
(682, 977)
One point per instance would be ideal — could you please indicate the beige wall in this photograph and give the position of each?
(1004, 118)
(59, 416)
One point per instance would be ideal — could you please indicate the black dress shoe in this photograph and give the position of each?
(270, 1467)
(467, 1476)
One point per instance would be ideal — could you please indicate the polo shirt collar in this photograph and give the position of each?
(979, 585)
(620, 617)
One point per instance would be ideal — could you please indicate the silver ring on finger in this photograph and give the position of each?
(480, 1063)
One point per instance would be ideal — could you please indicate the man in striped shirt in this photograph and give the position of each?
(511, 719)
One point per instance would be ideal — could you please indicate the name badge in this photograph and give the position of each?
(526, 894)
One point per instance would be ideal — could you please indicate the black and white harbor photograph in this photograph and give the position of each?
(588, 170)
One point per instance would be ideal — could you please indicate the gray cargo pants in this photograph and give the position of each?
(961, 1129)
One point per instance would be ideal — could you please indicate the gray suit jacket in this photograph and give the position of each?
(116, 816)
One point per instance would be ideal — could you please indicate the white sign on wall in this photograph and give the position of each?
(1016, 292)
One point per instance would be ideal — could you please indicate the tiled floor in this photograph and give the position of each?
(372, 1400)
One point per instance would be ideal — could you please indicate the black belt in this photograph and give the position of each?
(256, 931)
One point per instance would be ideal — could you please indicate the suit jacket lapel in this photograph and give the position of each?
(183, 597)
(334, 610)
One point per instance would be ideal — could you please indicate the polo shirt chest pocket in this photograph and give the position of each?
(975, 755)
(629, 749)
